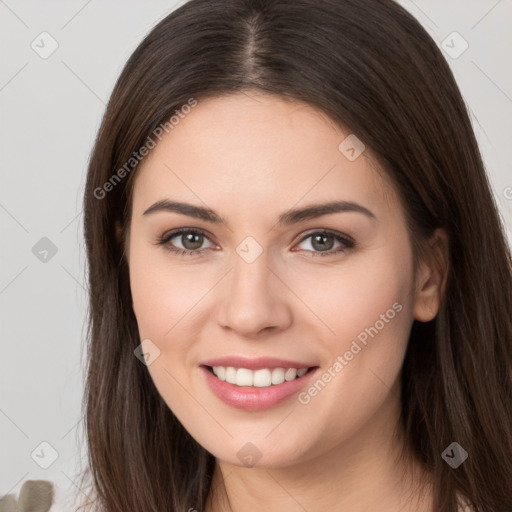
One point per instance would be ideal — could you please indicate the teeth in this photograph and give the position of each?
(262, 378)
(244, 377)
(230, 374)
(258, 378)
(277, 376)
(290, 374)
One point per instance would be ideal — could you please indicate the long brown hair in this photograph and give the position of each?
(370, 66)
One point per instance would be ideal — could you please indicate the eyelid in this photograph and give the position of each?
(166, 237)
(346, 240)
(328, 231)
(201, 231)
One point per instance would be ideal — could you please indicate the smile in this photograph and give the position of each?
(254, 390)
(257, 378)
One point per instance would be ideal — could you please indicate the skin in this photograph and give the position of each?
(251, 157)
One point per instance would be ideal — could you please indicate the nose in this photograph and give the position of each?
(254, 299)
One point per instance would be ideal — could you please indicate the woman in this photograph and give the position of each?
(232, 368)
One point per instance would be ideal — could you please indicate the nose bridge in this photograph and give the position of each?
(250, 278)
(251, 275)
(253, 300)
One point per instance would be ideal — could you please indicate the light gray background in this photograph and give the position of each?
(50, 111)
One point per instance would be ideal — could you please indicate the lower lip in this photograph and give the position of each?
(252, 398)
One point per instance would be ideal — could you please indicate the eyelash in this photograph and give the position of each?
(348, 243)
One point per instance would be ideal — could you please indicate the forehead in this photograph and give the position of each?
(256, 153)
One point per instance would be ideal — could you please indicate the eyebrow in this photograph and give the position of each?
(288, 218)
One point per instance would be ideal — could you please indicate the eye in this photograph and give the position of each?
(322, 243)
(191, 240)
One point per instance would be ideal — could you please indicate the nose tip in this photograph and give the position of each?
(254, 300)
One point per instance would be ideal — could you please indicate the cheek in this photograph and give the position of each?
(152, 300)
(370, 311)
(377, 311)
(162, 297)
(166, 300)
(162, 292)
(342, 300)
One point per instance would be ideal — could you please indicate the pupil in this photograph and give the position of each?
(322, 245)
(319, 241)
(189, 238)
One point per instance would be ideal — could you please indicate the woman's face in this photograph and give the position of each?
(271, 289)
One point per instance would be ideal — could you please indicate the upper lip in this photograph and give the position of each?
(255, 363)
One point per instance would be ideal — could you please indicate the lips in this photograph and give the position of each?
(258, 363)
(261, 393)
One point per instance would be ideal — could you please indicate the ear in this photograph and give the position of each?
(431, 277)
